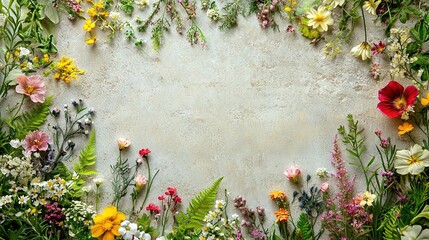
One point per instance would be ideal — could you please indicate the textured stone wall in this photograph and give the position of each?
(249, 106)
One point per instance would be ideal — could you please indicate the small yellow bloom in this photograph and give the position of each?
(425, 101)
(288, 9)
(106, 224)
(404, 128)
(89, 25)
(91, 41)
(278, 195)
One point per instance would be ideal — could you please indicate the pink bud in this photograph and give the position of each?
(324, 187)
(293, 174)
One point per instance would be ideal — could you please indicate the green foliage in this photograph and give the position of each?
(229, 19)
(127, 6)
(144, 222)
(198, 208)
(122, 178)
(86, 158)
(303, 228)
(390, 224)
(422, 218)
(31, 120)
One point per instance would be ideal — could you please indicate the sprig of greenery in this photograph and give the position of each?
(122, 178)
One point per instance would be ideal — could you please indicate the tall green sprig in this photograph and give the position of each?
(122, 178)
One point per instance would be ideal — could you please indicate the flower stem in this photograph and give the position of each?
(364, 23)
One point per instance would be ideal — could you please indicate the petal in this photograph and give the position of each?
(97, 230)
(119, 218)
(389, 109)
(390, 92)
(108, 236)
(416, 149)
(416, 168)
(110, 212)
(424, 234)
(115, 230)
(99, 218)
(410, 94)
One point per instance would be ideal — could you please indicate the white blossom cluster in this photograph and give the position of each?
(19, 169)
(218, 226)
(77, 215)
(397, 47)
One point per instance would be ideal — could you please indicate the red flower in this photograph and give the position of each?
(378, 48)
(394, 100)
(153, 208)
(170, 191)
(144, 152)
(161, 197)
(177, 199)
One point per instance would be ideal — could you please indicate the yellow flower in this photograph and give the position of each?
(288, 9)
(91, 41)
(277, 195)
(89, 25)
(363, 50)
(319, 19)
(371, 6)
(367, 199)
(282, 215)
(107, 224)
(92, 12)
(66, 70)
(404, 128)
(425, 101)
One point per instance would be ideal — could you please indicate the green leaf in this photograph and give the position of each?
(32, 120)
(422, 218)
(304, 227)
(199, 206)
(87, 158)
(52, 13)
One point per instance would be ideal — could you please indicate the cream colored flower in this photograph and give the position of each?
(414, 233)
(123, 143)
(371, 6)
(319, 19)
(367, 199)
(362, 50)
(334, 3)
(411, 161)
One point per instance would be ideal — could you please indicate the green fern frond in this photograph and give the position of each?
(304, 227)
(31, 120)
(390, 225)
(86, 158)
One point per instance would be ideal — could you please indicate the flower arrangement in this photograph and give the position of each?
(41, 197)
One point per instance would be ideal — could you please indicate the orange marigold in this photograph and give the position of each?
(278, 195)
(107, 224)
(282, 215)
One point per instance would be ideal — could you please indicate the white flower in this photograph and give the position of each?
(319, 19)
(129, 230)
(334, 3)
(114, 15)
(411, 161)
(363, 50)
(145, 236)
(98, 181)
(141, 3)
(23, 52)
(371, 6)
(414, 233)
(15, 143)
(367, 199)
(161, 238)
(322, 172)
(22, 199)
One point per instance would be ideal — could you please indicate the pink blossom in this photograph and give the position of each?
(32, 86)
(293, 174)
(36, 141)
(324, 187)
(140, 181)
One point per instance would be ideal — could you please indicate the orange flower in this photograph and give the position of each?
(107, 224)
(282, 215)
(404, 128)
(277, 195)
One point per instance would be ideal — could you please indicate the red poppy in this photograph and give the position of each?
(394, 100)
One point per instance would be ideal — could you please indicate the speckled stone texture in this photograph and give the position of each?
(249, 106)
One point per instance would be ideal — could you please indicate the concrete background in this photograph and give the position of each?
(249, 106)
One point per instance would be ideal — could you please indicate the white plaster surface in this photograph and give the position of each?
(249, 106)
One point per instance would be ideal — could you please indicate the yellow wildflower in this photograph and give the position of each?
(288, 9)
(91, 41)
(66, 70)
(92, 12)
(425, 101)
(282, 215)
(404, 128)
(106, 225)
(89, 25)
(277, 195)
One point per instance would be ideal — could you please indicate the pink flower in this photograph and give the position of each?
(140, 181)
(144, 152)
(324, 187)
(36, 141)
(170, 191)
(32, 86)
(293, 174)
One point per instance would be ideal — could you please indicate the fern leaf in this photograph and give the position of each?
(33, 119)
(87, 158)
(201, 204)
(390, 224)
(304, 227)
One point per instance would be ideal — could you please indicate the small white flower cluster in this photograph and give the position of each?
(129, 231)
(397, 47)
(79, 213)
(52, 189)
(322, 172)
(219, 227)
(213, 14)
(19, 169)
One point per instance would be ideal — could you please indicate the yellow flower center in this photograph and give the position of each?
(107, 225)
(413, 160)
(29, 89)
(319, 18)
(400, 103)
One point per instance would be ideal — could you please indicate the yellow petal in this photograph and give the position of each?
(110, 212)
(120, 217)
(115, 230)
(108, 236)
(97, 231)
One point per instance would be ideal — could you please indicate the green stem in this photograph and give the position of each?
(364, 23)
